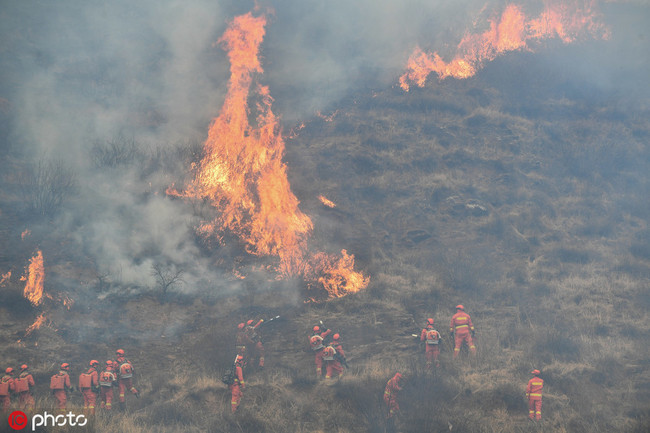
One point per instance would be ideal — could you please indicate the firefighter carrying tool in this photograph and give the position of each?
(432, 339)
(6, 388)
(88, 385)
(534, 395)
(462, 330)
(107, 380)
(60, 384)
(316, 343)
(243, 341)
(125, 371)
(22, 386)
(256, 341)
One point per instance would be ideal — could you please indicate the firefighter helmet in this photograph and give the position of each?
(250, 322)
(94, 362)
(241, 326)
(336, 337)
(24, 367)
(429, 321)
(535, 372)
(316, 328)
(119, 352)
(109, 362)
(460, 307)
(9, 370)
(65, 366)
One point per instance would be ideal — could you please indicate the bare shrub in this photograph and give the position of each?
(167, 277)
(46, 185)
(118, 151)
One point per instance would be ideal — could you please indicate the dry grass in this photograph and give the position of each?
(517, 214)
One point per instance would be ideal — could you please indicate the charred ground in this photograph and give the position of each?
(530, 211)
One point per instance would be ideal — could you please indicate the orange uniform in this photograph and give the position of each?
(256, 340)
(534, 395)
(462, 327)
(316, 344)
(125, 377)
(22, 386)
(334, 366)
(107, 379)
(88, 382)
(59, 384)
(390, 395)
(6, 388)
(243, 340)
(238, 386)
(431, 338)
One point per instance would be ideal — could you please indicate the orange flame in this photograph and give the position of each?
(5, 278)
(35, 279)
(242, 173)
(25, 234)
(40, 320)
(327, 202)
(326, 118)
(513, 31)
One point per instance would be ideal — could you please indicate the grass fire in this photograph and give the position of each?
(268, 217)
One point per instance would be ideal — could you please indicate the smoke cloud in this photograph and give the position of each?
(77, 76)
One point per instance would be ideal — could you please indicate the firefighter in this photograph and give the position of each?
(124, 370)
(238, 385)
(22, 386)
(6, 388)
(534, 395)
(316, 344)
(88, 384)
(107, 381)
(60, 384)
(256, 340)
(431, 338)
(334, 366)
(390, 395)
(243, 341)
(462, 330)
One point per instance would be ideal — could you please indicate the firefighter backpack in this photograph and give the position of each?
(126, 370)
(228, 377)
(85, 380)
(21, 385)
(4, 388)
(57, 382)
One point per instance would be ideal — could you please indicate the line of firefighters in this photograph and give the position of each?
(326, 345)
(328, 352)
(92, 383)
(461, 330)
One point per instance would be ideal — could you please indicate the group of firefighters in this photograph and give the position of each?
(93, 382)
(461, 330)
(326, 346)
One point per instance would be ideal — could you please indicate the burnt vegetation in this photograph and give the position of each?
(533, 213)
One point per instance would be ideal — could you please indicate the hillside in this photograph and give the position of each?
(531, 213)
(521, 192)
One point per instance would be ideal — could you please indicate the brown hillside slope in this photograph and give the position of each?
(532, 214)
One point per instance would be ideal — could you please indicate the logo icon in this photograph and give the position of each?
(18, 420)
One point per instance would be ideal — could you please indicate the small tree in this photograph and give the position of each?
(167, 277)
